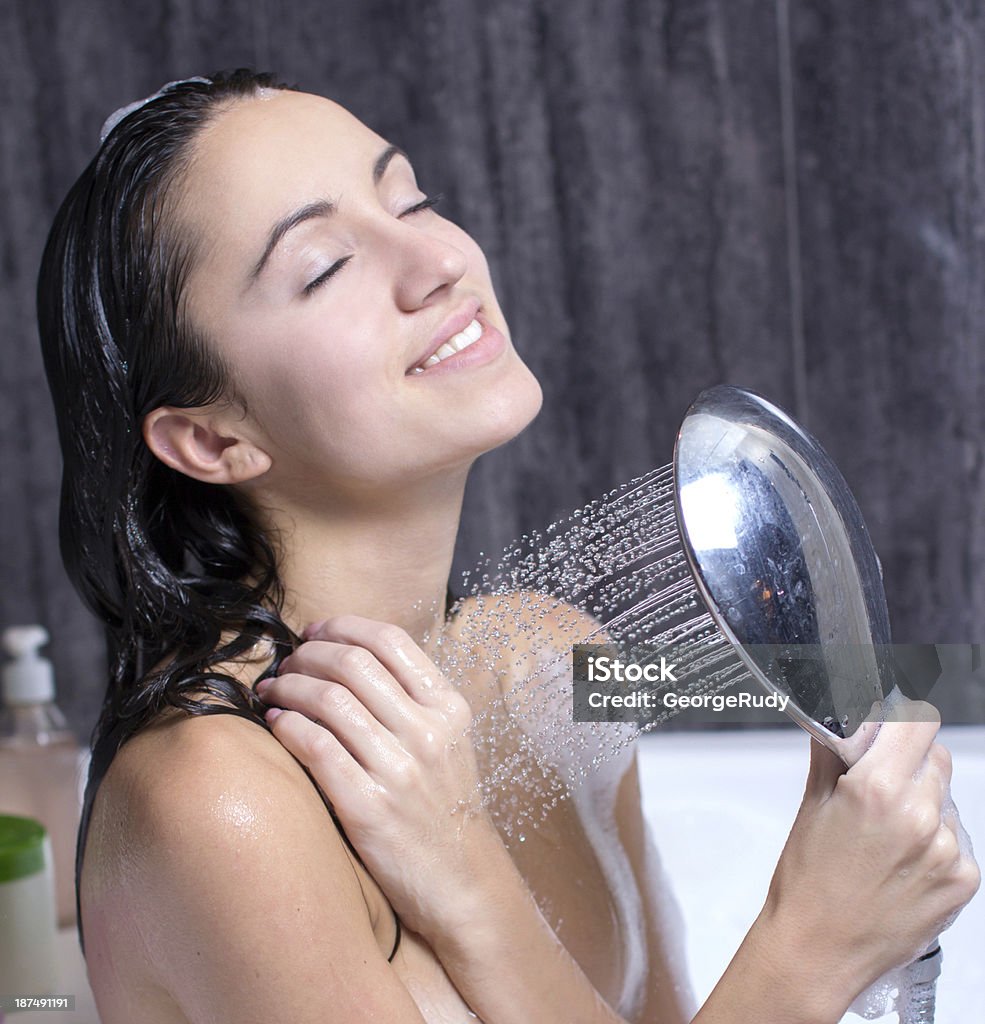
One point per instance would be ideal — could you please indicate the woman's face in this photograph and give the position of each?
(326, 283)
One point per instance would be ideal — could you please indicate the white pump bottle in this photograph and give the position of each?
(41, 764)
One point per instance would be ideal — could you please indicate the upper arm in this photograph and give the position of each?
(248, 904)
(668, 997)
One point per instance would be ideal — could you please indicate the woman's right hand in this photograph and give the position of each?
(386, 737)
(873, 869)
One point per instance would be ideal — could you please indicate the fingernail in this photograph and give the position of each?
(261, 686)
(273, 713)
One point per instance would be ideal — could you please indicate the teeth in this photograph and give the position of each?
(454, 344)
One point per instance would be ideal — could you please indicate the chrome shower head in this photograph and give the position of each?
(782, 558)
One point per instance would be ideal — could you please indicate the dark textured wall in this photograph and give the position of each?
(672, 193)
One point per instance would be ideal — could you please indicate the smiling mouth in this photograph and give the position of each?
(455, 344)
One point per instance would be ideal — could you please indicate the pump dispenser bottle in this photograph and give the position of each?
(41, 763)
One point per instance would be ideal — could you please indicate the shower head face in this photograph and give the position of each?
(781, 557)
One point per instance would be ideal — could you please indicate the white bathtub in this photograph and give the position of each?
(721, 804)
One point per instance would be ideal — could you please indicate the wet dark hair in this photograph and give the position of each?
(178, 570)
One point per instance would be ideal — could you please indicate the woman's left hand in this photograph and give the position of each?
(385, 736)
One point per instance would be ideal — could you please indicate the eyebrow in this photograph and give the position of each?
(318, 208)
(383, 161)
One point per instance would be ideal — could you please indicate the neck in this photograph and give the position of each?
(387, 560)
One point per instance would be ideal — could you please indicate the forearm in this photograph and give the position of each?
(773, 972)
(508, 964)
(505, 959)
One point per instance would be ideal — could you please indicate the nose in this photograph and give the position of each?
(427, 265)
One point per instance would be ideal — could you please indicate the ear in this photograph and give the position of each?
(201, 445)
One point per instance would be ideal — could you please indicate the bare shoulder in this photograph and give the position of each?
(185, 793)
(246, 902)
(179, 762)
(521, 643)
(185, 765)
(191, 786)
(530, 618)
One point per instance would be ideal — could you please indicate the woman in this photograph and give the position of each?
(273, 363)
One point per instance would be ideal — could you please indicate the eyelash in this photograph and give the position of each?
(331, 272)
(424, 204)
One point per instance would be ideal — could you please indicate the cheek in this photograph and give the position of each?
(335, 420)
(307, 391)
(322, 426)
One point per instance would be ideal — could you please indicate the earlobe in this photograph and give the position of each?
(195, 443)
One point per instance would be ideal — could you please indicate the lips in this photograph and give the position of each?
(455, 344)
(457, 332)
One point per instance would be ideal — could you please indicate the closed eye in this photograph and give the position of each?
(323, 277)
(424, 204)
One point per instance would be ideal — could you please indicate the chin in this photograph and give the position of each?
(493, 416)
(508, 411)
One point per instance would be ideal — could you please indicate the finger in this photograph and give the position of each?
(340, 712)
(952, 819)
(938, 762)
(360, 671)
(926, 796)
(396, 651)
(932, 783)
(903, 741)
(337, 773)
